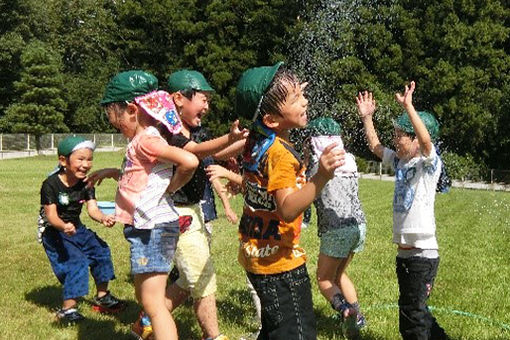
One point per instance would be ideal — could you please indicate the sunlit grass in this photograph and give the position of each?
(471, 298)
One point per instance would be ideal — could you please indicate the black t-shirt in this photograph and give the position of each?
(69, 200)
(193, 191)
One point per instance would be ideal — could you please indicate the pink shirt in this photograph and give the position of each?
(142, 199)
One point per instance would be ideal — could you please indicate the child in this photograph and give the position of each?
(417, 169)
(147, 179)
(275, 195)
(71, 247)
(191, 93)
(341, 225)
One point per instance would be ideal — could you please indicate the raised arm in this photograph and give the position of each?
(406, 100)
(366, 109)
(214, 146)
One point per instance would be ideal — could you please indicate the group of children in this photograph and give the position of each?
(161, 185)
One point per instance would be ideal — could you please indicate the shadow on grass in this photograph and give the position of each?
(239, 307)
(50, 297)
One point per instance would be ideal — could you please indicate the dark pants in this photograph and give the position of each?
(71, 257)
(287, 309)
(415, 281)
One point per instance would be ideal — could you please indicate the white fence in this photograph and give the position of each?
(496, 179)
(23, 144)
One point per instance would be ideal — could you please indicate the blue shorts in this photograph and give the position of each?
(340, 242)
(152, 250)
(72, 256)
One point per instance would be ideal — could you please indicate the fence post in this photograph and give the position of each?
(112, 140)
(28, 141)
(1, 142)
(492, 176)
(52, 145)
(94, 138)
(380, 171)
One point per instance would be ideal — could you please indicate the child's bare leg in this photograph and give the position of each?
(150, 289)
(102, 289)
(69, 303)
(329, 270)
(175, 296)
(333, 283)
(205, 309)
(344, 282)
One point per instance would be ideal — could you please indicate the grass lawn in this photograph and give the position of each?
(471, 297)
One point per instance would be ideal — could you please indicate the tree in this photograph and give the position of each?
(40, 107)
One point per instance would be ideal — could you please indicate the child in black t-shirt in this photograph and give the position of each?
(71, 247)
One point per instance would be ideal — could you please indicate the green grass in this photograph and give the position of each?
(471, 295)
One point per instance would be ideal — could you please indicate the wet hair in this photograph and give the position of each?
(278, 91)
(117, 107)
(190, 93)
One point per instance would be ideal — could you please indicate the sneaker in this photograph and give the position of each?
(142, 328)
(108, 304)
(69, 316)
(350, 325)
(361, 321)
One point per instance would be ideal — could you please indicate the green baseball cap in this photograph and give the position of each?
(251, 88)
(188, 80)
(404, 123)
(324, 126)
(128, 85)
(72, 143)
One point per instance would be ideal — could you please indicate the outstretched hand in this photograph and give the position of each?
(108, 220)
(406, 99)
(97, 177)
(366, 104)
(216, 171)
(236, 133)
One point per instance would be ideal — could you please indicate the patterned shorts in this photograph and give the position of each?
(152, 250)
(340, 242)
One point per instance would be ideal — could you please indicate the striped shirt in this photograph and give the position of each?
(142, 199)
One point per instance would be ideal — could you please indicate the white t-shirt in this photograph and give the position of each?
(414, 223)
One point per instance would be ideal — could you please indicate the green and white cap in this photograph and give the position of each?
(324, 126)
(128, 85)
(188, 80)
(251, 88)
(72, 143)
(403, 123)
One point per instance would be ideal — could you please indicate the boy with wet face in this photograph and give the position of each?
(275, 195)
(417, 170)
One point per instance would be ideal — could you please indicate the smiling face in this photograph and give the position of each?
(77, 164)
(193, 110)
(406, 146)
(293, 110)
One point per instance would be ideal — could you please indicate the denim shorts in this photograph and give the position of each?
(340, 242)
(286, 301)
(152, 250)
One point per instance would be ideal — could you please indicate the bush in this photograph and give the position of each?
(464, 167)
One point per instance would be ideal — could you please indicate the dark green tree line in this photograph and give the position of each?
(456, 50)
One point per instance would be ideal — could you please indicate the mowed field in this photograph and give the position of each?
(471, 296)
